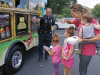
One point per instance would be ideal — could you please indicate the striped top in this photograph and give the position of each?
(88, 31)
(88, 49)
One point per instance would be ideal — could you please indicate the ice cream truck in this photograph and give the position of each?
(17, 32)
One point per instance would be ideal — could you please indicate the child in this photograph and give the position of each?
(55, 53)
(67, 51)
(87, 31)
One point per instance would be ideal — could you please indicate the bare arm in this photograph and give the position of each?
(95, 38)
(97, 26)
(72, 48)
(50, 52)
(80, 33)
(36, 20)
(67, 21)
(63, 51)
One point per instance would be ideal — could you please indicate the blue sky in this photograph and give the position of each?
(88, 3)
(34, 1)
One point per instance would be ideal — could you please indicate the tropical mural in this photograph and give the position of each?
(42, 7)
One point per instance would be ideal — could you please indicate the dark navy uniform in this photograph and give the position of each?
(45, 34)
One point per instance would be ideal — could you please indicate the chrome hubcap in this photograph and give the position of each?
(16, 59)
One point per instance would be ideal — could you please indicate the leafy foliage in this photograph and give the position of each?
(96, 11)
(66, 12)
(60, 7)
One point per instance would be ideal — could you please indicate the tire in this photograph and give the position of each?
(15, 60)
(56, 26)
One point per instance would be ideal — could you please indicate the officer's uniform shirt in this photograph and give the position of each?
(45, 23)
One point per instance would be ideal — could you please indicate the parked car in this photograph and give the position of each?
(59, 25)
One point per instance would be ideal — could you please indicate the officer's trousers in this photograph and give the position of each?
(44, 39)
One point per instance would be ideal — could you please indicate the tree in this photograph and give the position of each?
(66, 12)
(61, 8)
(96, 11)
(58, 5)
(36, 8)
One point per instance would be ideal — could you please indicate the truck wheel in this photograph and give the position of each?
(15, 59)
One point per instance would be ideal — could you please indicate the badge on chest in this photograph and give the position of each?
(51, 20)
(46, 21)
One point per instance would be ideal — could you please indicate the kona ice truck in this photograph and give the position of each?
(17, 32)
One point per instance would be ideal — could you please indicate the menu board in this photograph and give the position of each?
(34, 4)
(21, 24)
(5, 25)
(34, 25)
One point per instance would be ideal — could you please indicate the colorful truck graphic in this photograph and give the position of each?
(18, 34)
(42, 7)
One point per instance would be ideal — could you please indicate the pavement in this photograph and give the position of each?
(31, 65)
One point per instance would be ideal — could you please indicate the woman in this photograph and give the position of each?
(88, 50)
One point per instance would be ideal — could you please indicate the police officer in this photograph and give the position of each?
(45, 32)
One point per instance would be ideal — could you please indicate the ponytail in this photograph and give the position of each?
(55, 38)
(85, 10)
(70, 30)
(78, 7)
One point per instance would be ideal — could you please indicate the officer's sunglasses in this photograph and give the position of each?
(48, 12)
